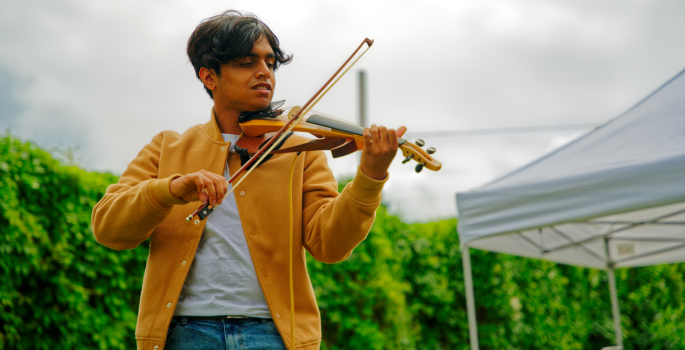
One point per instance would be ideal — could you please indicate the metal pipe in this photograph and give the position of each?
(470, 302)
(362, 103)
(614, 306)
(362, 98)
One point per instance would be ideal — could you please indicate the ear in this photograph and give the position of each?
(208, 77)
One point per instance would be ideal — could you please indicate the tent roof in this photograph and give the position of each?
(607, 198)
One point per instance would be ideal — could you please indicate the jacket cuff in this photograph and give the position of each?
(365, 189)
(160, 195)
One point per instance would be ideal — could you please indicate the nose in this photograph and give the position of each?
(263, 70)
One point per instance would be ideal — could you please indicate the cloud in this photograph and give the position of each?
(107, 76)
(10, 106)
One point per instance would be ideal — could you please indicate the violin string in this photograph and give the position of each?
(312, 112)
(336, 118)
(287, 109)
(299, 118)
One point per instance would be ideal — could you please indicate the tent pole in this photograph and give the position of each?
(470, 303)
(614, 306)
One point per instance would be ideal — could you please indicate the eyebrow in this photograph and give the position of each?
(252, 54)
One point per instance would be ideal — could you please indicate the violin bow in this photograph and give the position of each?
(281, 134)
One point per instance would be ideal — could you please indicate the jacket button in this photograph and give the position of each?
(197, 222)
(278, 315)
(183, 263)
(252, 232)
(156, 347)
(264, 273)
(242, 193)
(223, 149)
(168, 305)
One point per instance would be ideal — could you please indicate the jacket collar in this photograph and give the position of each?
(212, 129)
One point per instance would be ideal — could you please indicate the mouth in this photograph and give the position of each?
(263, 88)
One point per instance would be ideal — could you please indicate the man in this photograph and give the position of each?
(223, 282)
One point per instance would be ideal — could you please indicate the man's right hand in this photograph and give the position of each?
(202, 185)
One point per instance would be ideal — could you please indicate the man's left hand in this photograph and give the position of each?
(380, 147)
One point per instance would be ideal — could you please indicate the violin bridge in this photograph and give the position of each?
(293, 111)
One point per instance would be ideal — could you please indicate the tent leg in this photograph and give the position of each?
(470, 303)
(614, 306)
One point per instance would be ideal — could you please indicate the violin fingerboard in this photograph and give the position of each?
(335, 124)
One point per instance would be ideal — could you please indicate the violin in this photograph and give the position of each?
(264, 133)
(332, 134)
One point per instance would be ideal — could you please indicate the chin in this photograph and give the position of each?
(261, 105)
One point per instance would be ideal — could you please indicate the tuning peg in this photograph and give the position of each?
(430, 150)
(408, 158)
(419, 167)
(420, 143)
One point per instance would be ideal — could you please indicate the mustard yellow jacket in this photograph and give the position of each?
(326, 224)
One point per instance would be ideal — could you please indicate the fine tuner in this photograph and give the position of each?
(410, 156)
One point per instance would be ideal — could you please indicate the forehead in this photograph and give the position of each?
(262, 48)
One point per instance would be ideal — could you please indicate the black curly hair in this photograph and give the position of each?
(228, 37)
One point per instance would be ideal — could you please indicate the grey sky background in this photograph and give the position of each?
(104, 77)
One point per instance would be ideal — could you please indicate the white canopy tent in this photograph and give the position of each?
(615, 197)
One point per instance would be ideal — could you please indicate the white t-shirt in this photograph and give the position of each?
(222, 279)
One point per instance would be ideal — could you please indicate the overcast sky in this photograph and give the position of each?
(104, 77)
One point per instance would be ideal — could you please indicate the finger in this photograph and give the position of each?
(219, 184)
(392, 138)
(401, 131)
(367, 138)
(200, 185)
(375, 140)
(211, 190)
(383, 136)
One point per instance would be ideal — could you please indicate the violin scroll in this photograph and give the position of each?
(414, 151)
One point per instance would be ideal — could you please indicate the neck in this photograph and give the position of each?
(227, 120)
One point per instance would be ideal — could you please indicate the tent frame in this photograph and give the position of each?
(610, 264)
(471, 304)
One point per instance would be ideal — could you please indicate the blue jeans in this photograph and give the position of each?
(186, 333)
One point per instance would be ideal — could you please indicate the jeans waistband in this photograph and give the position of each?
(217, 318)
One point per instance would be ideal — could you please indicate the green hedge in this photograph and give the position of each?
(60, 288)
(402, 288)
